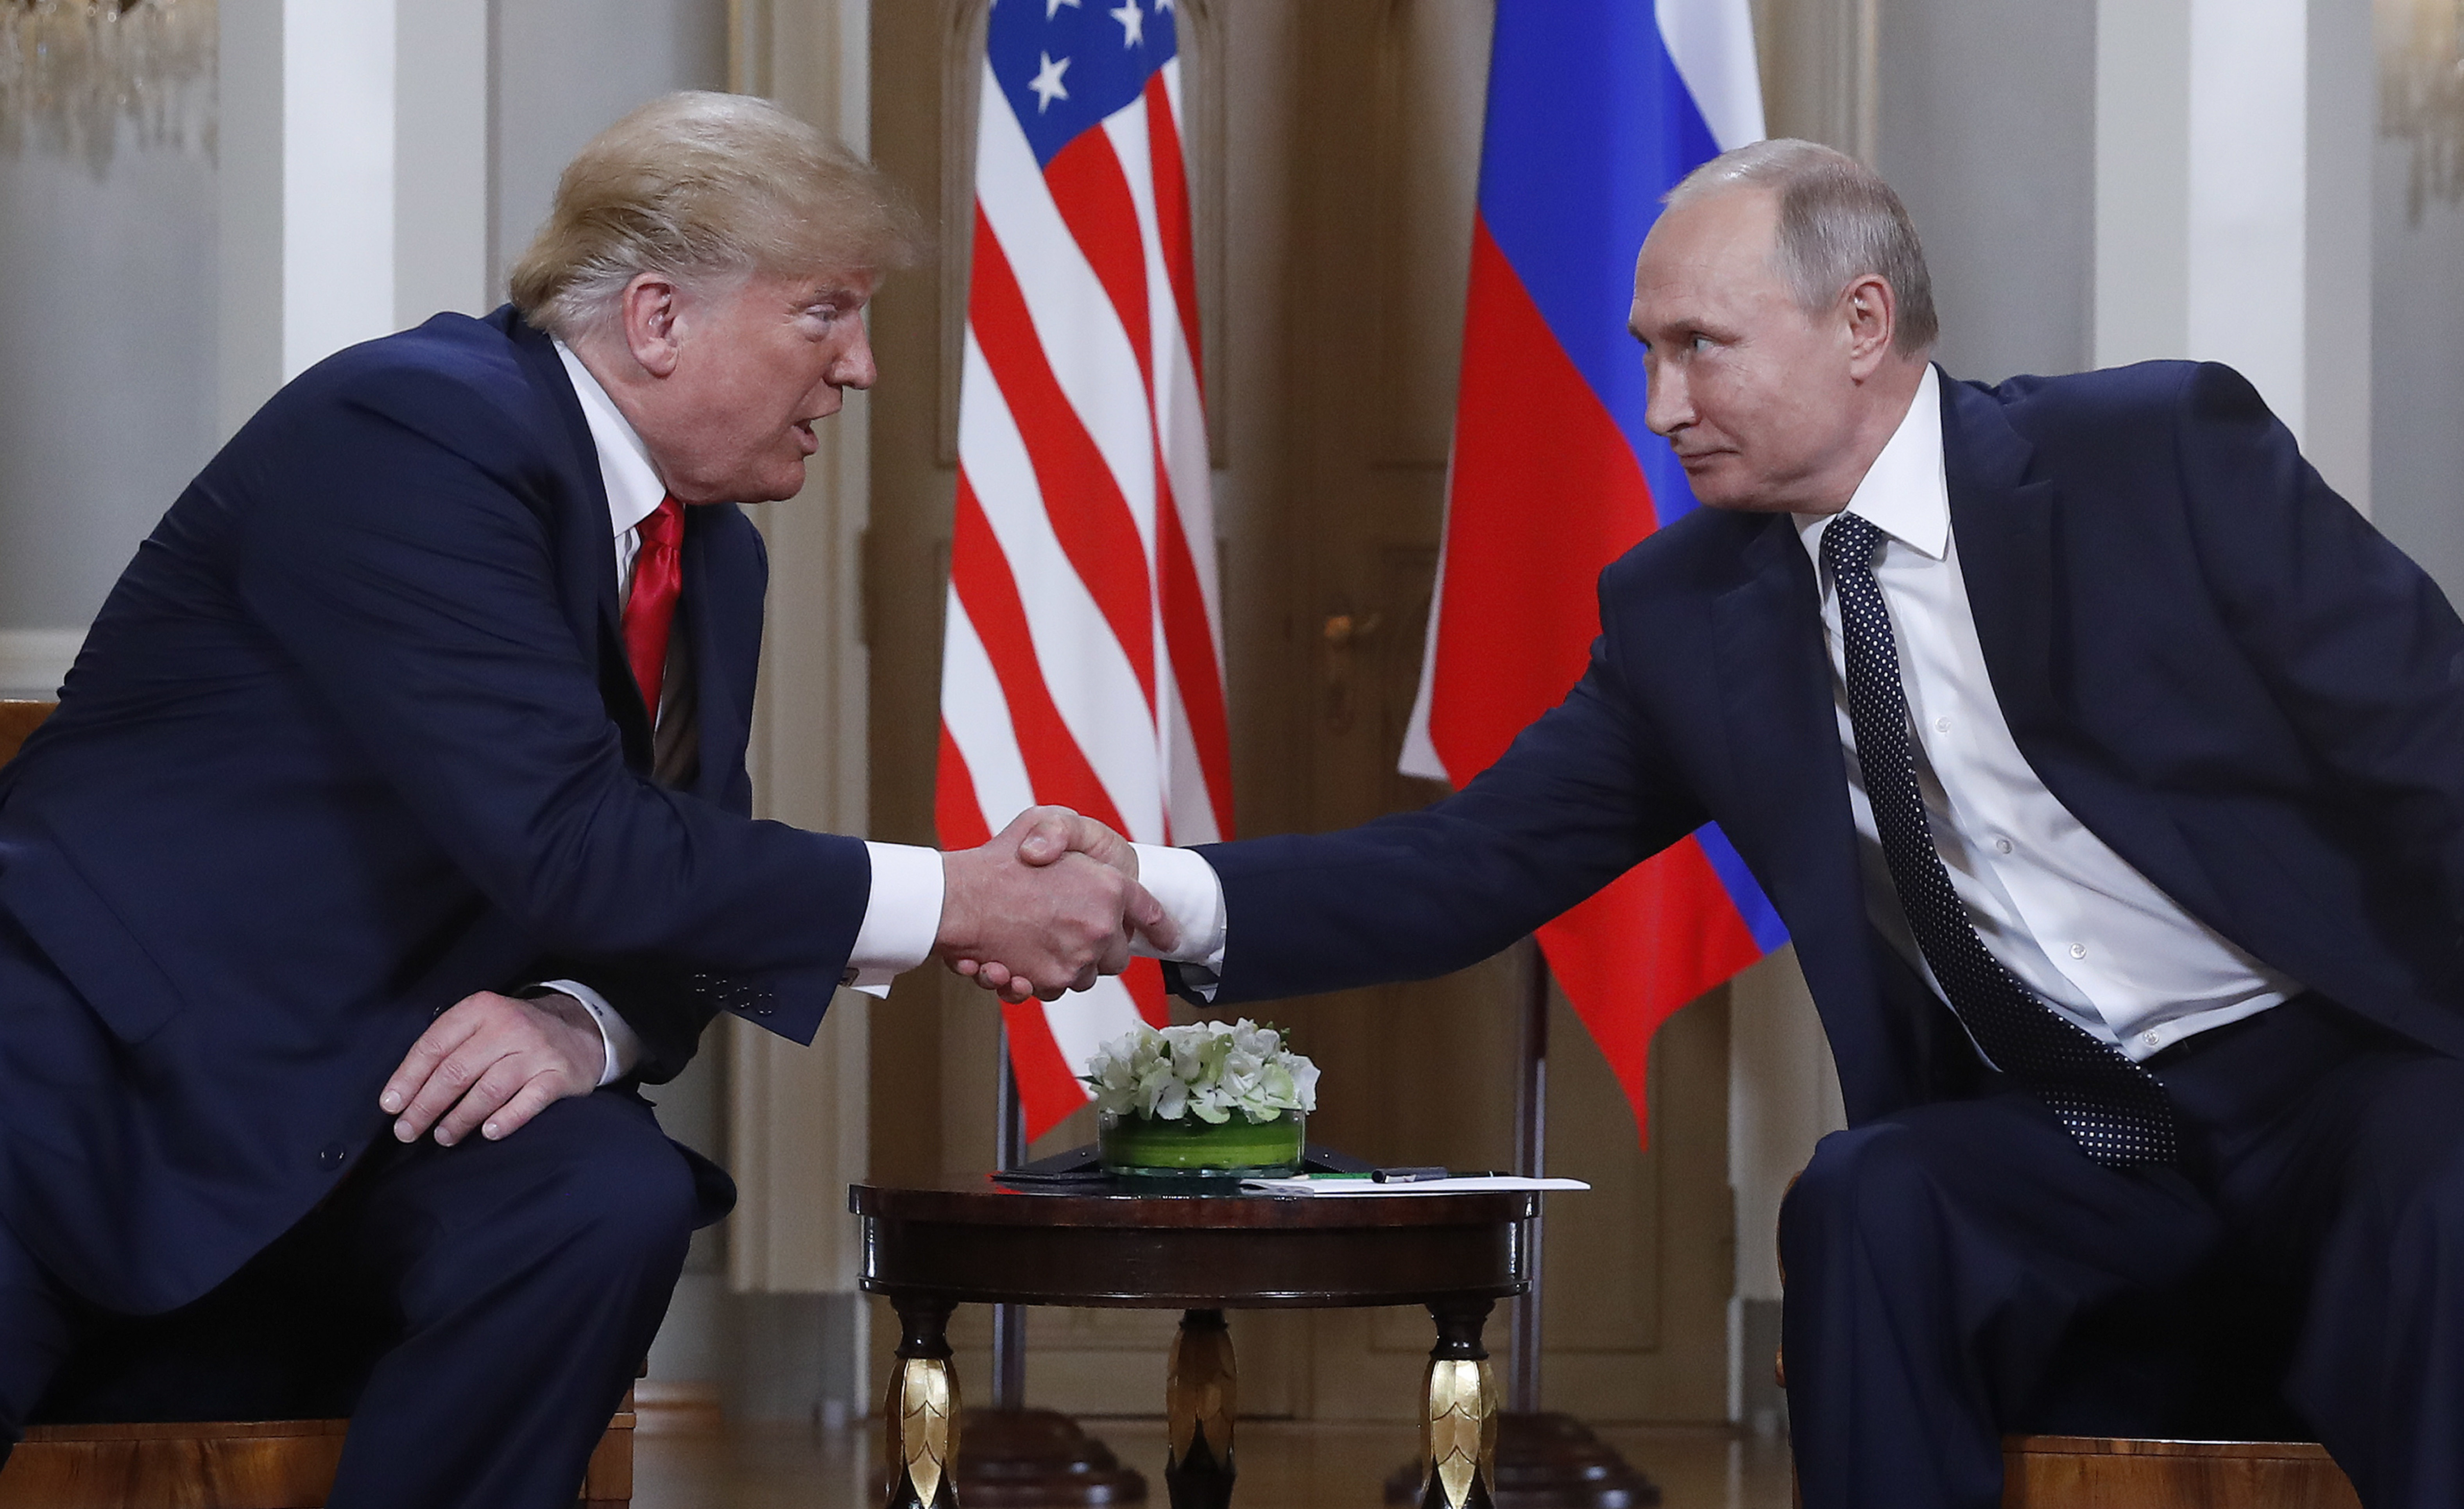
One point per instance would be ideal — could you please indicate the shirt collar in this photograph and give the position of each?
(1903, 494)
(634, 490)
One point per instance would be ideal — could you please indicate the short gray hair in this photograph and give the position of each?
(696, 185)
(1837, 222)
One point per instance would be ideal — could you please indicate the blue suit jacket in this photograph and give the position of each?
(354, 737)
(2214, 661)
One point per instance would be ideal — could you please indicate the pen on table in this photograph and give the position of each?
(1405, 1176)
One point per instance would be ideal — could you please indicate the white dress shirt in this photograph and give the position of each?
(2059, 908)
(903, 911)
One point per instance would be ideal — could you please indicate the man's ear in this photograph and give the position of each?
(648, 311)
(1870, 311)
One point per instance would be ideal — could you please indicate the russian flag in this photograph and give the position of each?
(1596, 108)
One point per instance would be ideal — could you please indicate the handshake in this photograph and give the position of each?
(1047, 907)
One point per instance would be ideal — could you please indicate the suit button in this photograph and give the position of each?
(330, 1157)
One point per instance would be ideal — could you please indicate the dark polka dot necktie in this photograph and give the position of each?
(2115, 1109)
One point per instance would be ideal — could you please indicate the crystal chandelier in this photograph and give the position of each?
(73, 72)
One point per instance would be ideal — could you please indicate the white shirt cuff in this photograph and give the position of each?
(901, 918)
(1192, 896)
(623, 1045)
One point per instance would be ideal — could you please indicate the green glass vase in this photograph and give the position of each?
(1131, 1144)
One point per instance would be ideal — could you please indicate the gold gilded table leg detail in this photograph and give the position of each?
(1201, 1400)
(921, 1412)
(1459, 1423)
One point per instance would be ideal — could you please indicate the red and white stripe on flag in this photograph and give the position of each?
(1082, 663)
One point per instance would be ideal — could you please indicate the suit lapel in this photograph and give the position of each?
(1790, 815)
(1775, 680)
(2008, 527)
(585, 539)
(586, 545)
(723, 698)
(2004, 528)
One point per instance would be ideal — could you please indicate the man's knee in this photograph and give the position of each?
(622, 1190)
(590, 1187)
(1867, 1185)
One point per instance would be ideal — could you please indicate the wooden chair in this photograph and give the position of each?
(229, 1464)
(220, 1464)
(18, 719)
(2071, 1472)
(2085, 1472)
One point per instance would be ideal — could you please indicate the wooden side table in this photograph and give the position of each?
(930, 1249)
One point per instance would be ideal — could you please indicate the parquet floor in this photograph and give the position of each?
(1284, 1465)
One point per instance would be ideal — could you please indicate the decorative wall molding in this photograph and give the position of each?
(798, 1132)
(35, 662)
(1822, 70)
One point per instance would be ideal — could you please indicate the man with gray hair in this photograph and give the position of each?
(2108, 772)
(395, 828)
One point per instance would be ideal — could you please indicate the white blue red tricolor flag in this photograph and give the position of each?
(1083, 662)
(1595, 109)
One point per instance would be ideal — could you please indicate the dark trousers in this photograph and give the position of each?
(478, 1310)
(1960, 1269)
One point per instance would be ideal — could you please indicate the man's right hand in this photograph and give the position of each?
(1054, 899)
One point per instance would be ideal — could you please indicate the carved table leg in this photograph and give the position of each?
(1459, 1424)
(922, 1409)
(1201, 1398)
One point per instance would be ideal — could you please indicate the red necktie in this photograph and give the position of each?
(658, 575)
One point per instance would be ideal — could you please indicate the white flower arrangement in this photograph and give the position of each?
(1207, 1070)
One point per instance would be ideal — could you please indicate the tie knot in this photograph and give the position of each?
(666, 523)
(1849, 541)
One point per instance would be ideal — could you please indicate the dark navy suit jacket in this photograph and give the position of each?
(354, 737)
(2217, 664)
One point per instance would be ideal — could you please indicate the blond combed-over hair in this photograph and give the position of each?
(697, 186)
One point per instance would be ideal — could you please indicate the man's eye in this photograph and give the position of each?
(1701, 344)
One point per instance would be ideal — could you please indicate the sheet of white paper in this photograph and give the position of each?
(1361, 1187)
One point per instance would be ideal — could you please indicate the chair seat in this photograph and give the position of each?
(2074, 1471)
(262, 1464)
(273, 1464)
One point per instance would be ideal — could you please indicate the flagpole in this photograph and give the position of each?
(1531, 1160)
(1543, 1459)
(1009, 1321)
(1009, 1453)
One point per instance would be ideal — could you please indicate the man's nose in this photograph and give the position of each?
(1667, 407)
(854, 367)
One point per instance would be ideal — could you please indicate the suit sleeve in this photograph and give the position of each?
(395, 543)
(661, 1005)
(2358, 646)
(1581, 796)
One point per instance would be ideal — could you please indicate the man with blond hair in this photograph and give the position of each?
(2108, 771)
(394, 827)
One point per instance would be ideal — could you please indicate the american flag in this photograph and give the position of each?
(1082, 663)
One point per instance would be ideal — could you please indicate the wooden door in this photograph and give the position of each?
(1337, 144)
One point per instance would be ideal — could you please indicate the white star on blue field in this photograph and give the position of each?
(1066, 65)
